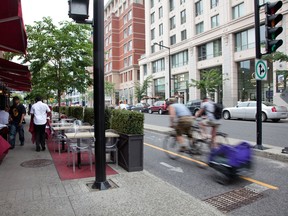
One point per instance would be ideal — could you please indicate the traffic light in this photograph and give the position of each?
(272, 19)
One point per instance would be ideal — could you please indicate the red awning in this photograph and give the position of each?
(15, 76)
(13, 37)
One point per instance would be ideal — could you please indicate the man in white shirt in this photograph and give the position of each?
(38, 113)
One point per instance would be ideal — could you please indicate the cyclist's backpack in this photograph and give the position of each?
(218, 110)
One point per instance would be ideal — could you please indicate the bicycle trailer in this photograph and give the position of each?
(231, 161)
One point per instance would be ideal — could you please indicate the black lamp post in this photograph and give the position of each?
(78, 10)
(169, 71)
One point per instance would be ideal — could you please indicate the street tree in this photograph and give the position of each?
(58, 56)
(281, 57)
(210, 81)
(109, 89)
(141, 89)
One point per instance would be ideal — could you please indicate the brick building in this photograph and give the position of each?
(124, 38)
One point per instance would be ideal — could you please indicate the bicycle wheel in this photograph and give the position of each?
(203, 150)
(171, 147)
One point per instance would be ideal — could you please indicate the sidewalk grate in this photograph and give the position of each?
(233, 199)
(36, 163)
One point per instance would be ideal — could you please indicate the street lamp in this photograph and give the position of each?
(169, 71)
(80, 10)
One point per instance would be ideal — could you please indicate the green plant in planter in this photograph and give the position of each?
(127, 122)
(130, 146)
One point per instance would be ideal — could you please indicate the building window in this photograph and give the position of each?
(210, 50)
(152, 3)
(180, 59)
(172, 4)
(183, 16)
(152, 48)
(199, 28)
(130, 30)
(161, 45)
(214, 3)
(125, 62)
(159, 88)
(182, 2)
(130, 60)
(125, 19)
(183, 35)
(129, 45)
(145, 70)
(125, 33)
(199, 8)
(238, 11)
(160, 29)
(153, 17)
(158, 65)
(153, 34)
(215, 21)
(160, 12)
(125, 48)
(172, 39)
(245, 40)
(172, 22)
(130, 15)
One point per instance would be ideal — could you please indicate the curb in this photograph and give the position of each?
(272, 152)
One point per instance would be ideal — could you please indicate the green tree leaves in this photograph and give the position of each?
(58, 56)
(141, 90)
(209, 82)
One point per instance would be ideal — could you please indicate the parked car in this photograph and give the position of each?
(247, 110)
(159, 106)
(141, 107)
(193, 106)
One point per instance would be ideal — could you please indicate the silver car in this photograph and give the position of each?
(247, 110)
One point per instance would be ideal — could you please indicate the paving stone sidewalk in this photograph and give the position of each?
(39, 191)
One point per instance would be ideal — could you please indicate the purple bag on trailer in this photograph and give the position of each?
(234, 156)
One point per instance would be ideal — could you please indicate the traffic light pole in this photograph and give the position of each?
(258, 82)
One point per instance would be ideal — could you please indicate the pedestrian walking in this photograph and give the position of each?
(39, 111)
(17, 113)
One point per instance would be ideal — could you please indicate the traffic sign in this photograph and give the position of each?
(261, 69)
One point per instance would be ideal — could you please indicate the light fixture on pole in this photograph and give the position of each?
(78, 11)
(169, 69)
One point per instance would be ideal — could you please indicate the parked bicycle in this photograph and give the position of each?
(198, 146)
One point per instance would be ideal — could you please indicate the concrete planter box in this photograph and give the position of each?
(130, 152)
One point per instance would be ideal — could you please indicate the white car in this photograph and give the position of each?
(247, 110)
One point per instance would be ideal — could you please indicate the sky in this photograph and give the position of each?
(35, 10)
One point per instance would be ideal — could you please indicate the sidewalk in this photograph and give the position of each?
(39, 191)
(272, 152)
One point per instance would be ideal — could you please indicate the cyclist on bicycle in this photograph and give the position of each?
(207, 106)
(181, 120)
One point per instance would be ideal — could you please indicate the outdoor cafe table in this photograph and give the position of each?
(68, 126)
(80, 135)
(60, 124)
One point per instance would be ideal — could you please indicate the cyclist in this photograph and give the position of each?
(181, 120)
(207, 106)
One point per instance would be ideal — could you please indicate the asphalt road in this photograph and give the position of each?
(272, 133)
(200, 183)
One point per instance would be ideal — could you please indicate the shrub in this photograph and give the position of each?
(62, 109)
(127, 122)
(70, 111)
(108, 114)
(55, 109)
(77, 112)
(89, 115)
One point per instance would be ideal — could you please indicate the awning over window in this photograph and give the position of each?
(15, 76)
(12, 30)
